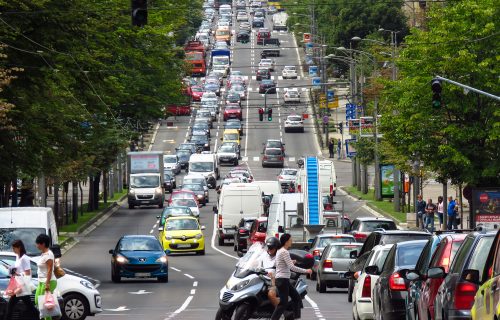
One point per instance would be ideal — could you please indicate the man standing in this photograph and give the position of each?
(420, 209)
(452, 214)
(339, 149)
(331, 147)
(430, 210)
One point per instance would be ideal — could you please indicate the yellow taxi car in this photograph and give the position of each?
(487, 300)
(231, 135)
(182, 234)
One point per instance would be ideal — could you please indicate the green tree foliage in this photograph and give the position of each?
(459, 141)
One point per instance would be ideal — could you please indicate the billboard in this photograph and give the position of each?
(143, 163)
(486, 206)
(350, 151)
(387, 180)
(367, 127)
(353, 126)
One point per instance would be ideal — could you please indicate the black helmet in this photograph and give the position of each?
(272, 243)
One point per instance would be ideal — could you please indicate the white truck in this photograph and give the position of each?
(206, 165)
(279, 21)
(145, 179)
(236, 201)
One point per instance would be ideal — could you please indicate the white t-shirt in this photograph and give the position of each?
(42, 266)
(22, 264)
(268, 263)
(440, 207)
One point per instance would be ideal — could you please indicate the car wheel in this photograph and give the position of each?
(201, 252)
(236, 248)
(349, 291)
(236, 162)
(160, 205)
(243, 311)
(131, 206)
(221, 242)
(163, 279)
(114, 277)
(75, 307)
(321, 286)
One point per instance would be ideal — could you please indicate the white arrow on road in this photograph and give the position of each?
(120, 308)
(140, 292)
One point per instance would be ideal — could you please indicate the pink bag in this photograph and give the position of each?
(49, 301)
(12, 287)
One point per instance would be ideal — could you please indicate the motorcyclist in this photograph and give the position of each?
(268, 263)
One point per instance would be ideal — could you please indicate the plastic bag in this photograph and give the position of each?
(48, 306)
(12, 287)
(24, 285)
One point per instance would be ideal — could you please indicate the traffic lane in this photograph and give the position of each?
(171, 133)
(332, 304)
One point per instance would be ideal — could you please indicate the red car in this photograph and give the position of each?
(257, 231)
(196, 93)
(178, 110)
(232, 111)
(182, 194)
(442, 257)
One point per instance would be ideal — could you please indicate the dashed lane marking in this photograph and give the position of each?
(189, 276)
(175, 269)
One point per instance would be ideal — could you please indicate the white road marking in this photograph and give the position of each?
(140, 292)
(181, 308)
(193, 291)
(255, 158)
(175, 269)
(244, 159)
(212, 244)
(151, 231)
(189, 276)
(119, 309)
(315, 307)
(154, 137)
(291, 159)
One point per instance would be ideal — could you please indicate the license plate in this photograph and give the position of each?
(183, 246)
(143, 274)
(144, 201)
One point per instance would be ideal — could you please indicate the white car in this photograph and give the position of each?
(171, 161)
(242, 16)
(294, 123)
(220, 69)
(267, 63)
(187, 202)
(223, 23)
(245, 26)
(291, 95)
(227, 154)
(289, 72)
(287, 176)
(81, 298)
(362, 306)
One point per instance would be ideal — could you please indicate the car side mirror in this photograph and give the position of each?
(215, 210)
(281, 229)
(436, 273)
(158, 217)
(160, 228)
(412, 276)
(373, 270)
(353, 254)
(202, 228)
(111, 251)
(56, 250)
(470, 275)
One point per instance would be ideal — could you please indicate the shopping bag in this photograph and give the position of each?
(24, 285)
(48, 306)
(12, 287)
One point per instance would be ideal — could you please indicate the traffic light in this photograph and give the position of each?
(261, 114)
(270, 114)
(340, 127)
(139, 12)
(436, 93)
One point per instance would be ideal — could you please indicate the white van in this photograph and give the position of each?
(327, 178)
(283, 216)
(205, 165)
(225, 9)
(236, 201)
(26, 223)
(269, 187)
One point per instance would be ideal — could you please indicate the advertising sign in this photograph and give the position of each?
(334, 104)
(354, 127)
(367, 127)
(313, 71)
(307, 37)
(486, 207)
(387, 180)
(143, 163)
(350, 151)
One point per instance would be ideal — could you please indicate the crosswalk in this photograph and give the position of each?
(278, 78)
(257, 159)
(250, 89)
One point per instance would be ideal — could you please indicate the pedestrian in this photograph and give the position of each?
(46, 279)
(22, 266)
(420, 209)
(339, 148)
(440, 211)
(452, 214)
(331, 147)
(430, 211)
(284, 265)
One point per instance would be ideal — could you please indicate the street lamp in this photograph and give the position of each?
(394, 44)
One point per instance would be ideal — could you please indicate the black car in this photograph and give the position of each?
(184, 156)
(267, 86)
(266, 53)
(202, 142)
(272, 42)
(201, 127)
(258, 23)
(263, 74)
(391, 288)
(169, 183)
(234, 124)
(187, 146)
(243, 36)
(362, 227)
(240, 241)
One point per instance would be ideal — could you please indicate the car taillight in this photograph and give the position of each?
(360, 236)
(316, 253)
(464, 295)
(367, 287)
(396, 282)
(242, 231)
(281, 158)
(299, 188)
(220, 221)
(328, 264)
(265, 158)
(280, 177)
(277, 235)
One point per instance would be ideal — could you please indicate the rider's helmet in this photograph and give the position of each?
(272, 243)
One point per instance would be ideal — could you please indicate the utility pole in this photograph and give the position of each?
(378, 192)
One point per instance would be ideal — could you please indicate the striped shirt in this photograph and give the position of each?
(284, 265)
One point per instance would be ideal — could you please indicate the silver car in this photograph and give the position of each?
(334, 263)
(171, 161)
(273, 157)
(287, 176)
(228, 154)
(321, 241)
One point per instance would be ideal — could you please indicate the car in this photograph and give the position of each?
(202, 142)
(294, 123)
(267, 63)
(196, 93)
(200, 128)
(170, 161)
(361, 227)
(235, 145)
(192, 204)
(175, 211)
(245, 26)
(221, 45)
(231, 135)
(234, 124)
(210, 95)
(244, 172)
(233, 97)
(320, 242)
(214, 78)
(212, 86)
(204, 114)
(287, 176)
(391, 288)
(257, 231)
(262, 73)
(232, 111)
(228, 154)
(487, 300)
(291, 95)
(289, 72)
(181, 194)
(79, 296)
(242, 16)
(187, 146)
(239, 89)
(258, 23)
(274, 143)
(198, 189)
(197, 179)
(259, 13)
(240, 240)
(222, 23)
(273, 157)
(243, 36)
(241, 5)
(333, 264)
(267, 86)
(182, 234)
(138, 256)
(266, 53)
(236, 79)
(170, 184)
(222, 71)
(438, 252)
(455, 296)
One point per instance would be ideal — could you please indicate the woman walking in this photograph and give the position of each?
(46, 279)
(22, 267)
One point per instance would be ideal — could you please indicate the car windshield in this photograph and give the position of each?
(226, 149)
(273, 144)
(169, 160)
(368, 226)
(223, 33)
(268, 82)
(273, 152)
(198, 138)
(230, 107)
(343, 252)
(231, 125)
(185, 147)
(183, 152)
(182, 224)
(200, 180)
(201, 166)
(237, 88)
(324, 241)
(196, 89)
(139, 244)
(231, 136)
(145, 182)
(26, 235)
(184, 202)
(295, 118)
(193, 187)
(289, 172)
(409, 254)
(179, 211)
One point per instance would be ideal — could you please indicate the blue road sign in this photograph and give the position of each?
(313, 71)
(330, 95)
(350, 111)
(316, 82)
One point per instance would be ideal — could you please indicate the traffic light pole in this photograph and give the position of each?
(468, 88)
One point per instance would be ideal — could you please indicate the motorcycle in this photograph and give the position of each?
(245, 293)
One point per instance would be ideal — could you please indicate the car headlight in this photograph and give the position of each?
(87, 284)
(162, 259)
(168, 237)
(158, 190)
(121, 259)
(199, 236)
(199, 196)
(243, 284)
(131, 191)
(206, 144)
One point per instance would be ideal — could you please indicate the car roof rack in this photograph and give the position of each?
(455, 231)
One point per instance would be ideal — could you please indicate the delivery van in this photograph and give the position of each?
(206, 165)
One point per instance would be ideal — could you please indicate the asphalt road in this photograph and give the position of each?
(194, 281)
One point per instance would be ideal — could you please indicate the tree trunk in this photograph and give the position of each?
(365, 179)
(358, 175)
(14, 193)
(90, 202)
(74, 213)
(56, 202)
(81, 198)
(353, 173)
(105, 180)
(97, 182)
(445, 205)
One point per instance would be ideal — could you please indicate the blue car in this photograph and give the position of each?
(138, 256)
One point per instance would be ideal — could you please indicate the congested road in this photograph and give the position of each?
(194, 281)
